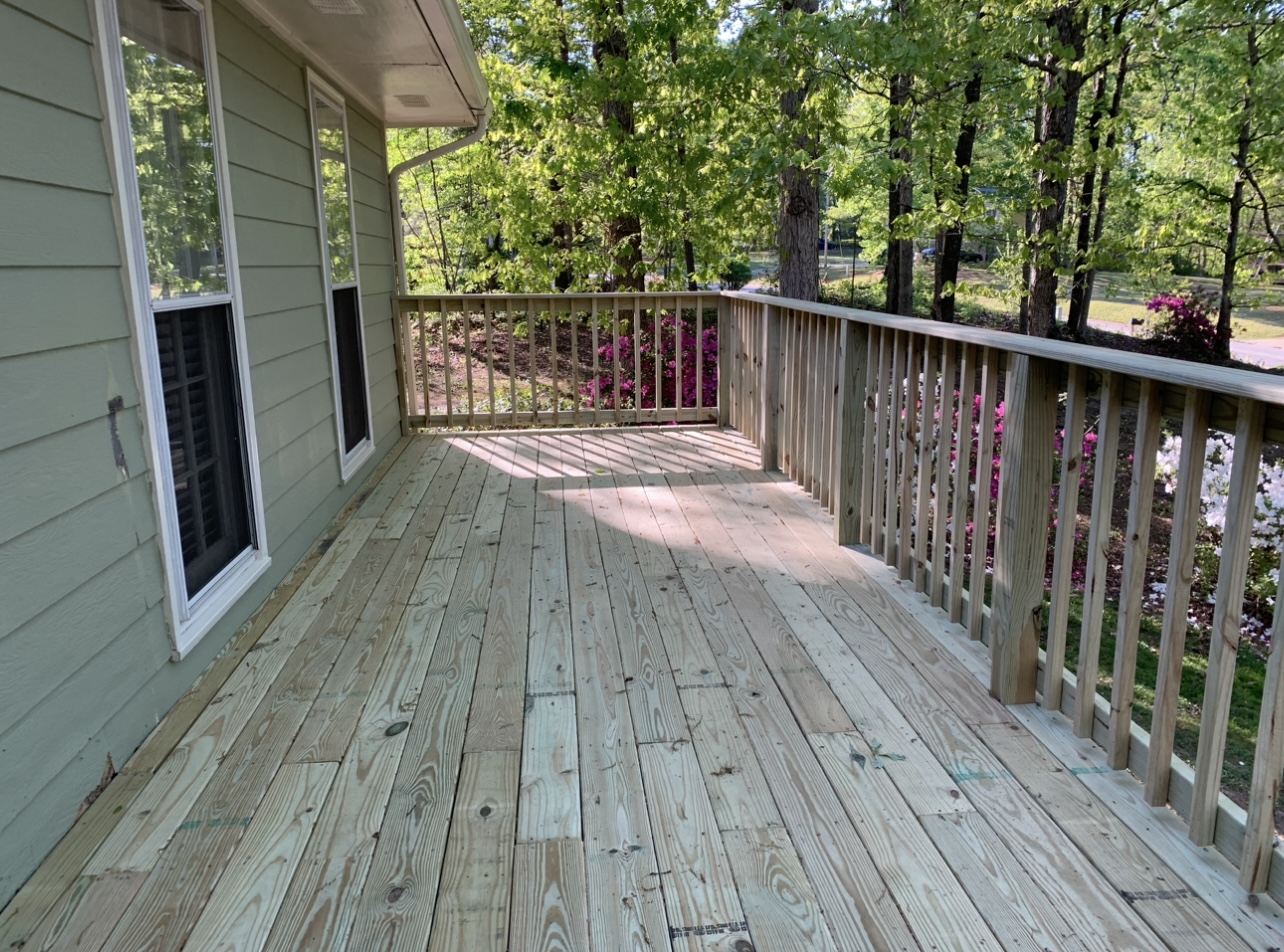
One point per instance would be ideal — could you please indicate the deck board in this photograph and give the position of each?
(601, 690)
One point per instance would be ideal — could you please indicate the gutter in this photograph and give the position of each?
(394, 184)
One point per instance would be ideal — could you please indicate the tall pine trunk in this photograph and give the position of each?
(799, 224)
(1058, 109)
(1092, 220)
(900, 198)
(1243, 143)
(949, 245)
(688, 247)
(624, 229)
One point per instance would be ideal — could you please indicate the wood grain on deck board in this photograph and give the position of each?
(568, 564)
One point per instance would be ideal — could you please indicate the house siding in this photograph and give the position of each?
(85, 669)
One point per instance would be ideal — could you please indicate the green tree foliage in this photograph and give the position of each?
(616, 147)
(652, 143)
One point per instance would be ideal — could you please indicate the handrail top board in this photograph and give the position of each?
(1267, 388)
(1255, 385)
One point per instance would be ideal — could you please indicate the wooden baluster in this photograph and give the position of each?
(873, 343)
(830, 348)
(959, 471)
(421, 378)
(635, 327)
(532, 329)
(1141, 499)
(1181, 565)
(812, 406)
(786, 426)
(1063, 548)
(509, 305)
(678, 402)
(445, 362)
(923, 500)
(1268, 762)
(554, 311)
(981, 497)
(699, 360)
(882, 441)
(466, 318)
(752, 392)
(597, 368)
(575, 368)
(768, 445)
(615, 357)
(941, 497)
(726, 320)
(404, 366)
(657, 347)
(894, 445)
(798, 374)
(1094, 586)
(488, 317)
(1228, 613)
(851, 446)
(905, 535)
(1021, 543)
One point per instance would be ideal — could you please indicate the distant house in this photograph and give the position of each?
(197, 345)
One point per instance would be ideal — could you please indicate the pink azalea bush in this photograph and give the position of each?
(1185, 325)
(698, 351)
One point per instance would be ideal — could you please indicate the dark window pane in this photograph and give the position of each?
(207, 449)
(352, 373)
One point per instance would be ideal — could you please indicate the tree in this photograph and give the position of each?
(1211, 144)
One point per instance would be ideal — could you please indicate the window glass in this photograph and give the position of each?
(332, 147)
(169, 119)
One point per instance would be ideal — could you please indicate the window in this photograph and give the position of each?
(178, 242)
(338, 242)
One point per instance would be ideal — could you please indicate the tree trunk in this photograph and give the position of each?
(949, 246)
(799, 225)
(1221, 345)
(796, 237)
(1077, 319)
(688, 247)
(1060, 102)
(1099, 219)
(563, 231)
(900, 199)
(624, 229)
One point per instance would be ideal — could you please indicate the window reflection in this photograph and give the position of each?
(333, 149)
(169, 119)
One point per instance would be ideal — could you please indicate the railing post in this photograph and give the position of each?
(401, 357)
(768, 442)
(724, 360)
(1021, 542)
(853, 374)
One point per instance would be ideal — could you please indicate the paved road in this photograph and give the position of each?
(1267, 352)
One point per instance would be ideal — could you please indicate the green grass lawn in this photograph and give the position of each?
(1116, 300)
(1250, 675)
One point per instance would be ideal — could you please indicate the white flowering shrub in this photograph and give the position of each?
(1268, 521)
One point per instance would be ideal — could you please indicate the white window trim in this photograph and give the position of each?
(190, 618)
(349, 462)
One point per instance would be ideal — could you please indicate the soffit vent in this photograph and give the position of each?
(413, 101)
(338, 7)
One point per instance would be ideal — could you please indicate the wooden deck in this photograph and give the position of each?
(613, 690)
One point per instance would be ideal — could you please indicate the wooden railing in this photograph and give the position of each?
(898, 427)
(493, 360)
(892, 424)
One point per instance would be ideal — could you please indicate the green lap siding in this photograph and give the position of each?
(85, 644)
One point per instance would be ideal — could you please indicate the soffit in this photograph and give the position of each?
(409, 61)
